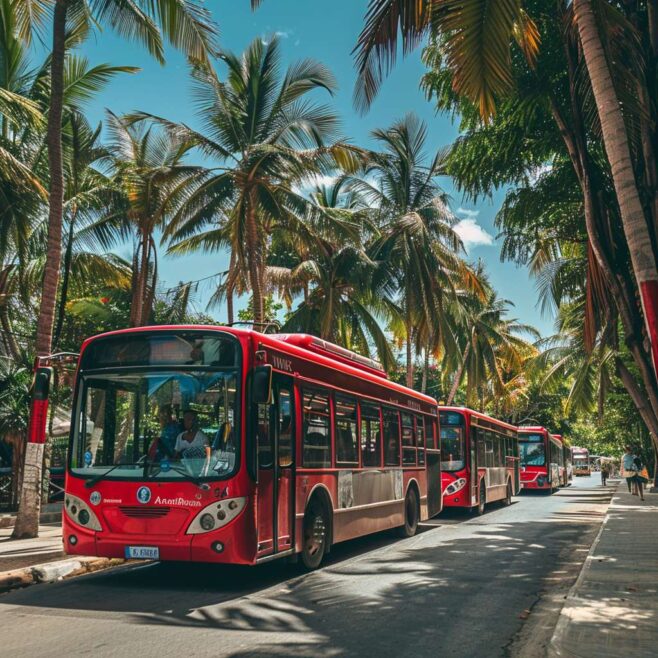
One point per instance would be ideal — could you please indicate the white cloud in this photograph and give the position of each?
(310, 183)
(472, 234)
(467, 213)
(283, 34)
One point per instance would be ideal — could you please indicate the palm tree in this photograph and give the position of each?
(268, 137)
(149, 167)
(492, 345)
(186, 25)
(417, 242)
(344, 297)
(616, 141)
(477, 45)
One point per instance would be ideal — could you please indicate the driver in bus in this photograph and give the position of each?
(192, 441)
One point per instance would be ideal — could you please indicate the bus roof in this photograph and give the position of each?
(301, 345)
(478, 414)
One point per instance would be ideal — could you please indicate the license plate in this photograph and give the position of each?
(142, 553)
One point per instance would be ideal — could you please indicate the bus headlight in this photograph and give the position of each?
(223, 510)
(79, 512)
(454, 487)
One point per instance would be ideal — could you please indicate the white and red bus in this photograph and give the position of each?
(218, 444)
(580, 460)
(542, 457)
(479, 459)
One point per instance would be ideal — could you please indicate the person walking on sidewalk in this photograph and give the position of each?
(628, 467)
(605, 473)
(639, 479)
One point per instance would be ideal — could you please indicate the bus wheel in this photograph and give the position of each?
(315, 536)
(411, 514)
(483, 499)
(507, 501)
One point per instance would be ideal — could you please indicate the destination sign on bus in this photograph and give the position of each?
(161, 349)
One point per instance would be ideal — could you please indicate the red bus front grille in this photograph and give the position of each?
(145, 512)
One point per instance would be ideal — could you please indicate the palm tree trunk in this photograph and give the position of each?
(255, 267)
(29, 509)
(458, 375)
(139, 289)
(410, 359)
(66, 277)
(230, 288)
(615, 140)
(426, 367)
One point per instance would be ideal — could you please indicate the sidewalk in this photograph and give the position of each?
(18, 553)
(27, 561)
(612, 610)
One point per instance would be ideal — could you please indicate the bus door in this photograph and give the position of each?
(276, 470)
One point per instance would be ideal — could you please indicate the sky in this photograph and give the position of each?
(326, 31)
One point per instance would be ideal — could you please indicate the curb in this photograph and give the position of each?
(54, 571)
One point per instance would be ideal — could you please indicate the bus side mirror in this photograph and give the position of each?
(261, 385)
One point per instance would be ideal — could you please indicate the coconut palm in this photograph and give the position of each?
(492, 345)
(150, 169)
(417, 242)
(267, 136)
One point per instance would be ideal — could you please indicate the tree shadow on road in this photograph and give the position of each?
(469, 585)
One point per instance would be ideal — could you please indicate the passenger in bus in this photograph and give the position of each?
(192, 441)
(169, 431)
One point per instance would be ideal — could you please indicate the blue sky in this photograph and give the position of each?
(325, 31)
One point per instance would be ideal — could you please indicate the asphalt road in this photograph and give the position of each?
(464, 586)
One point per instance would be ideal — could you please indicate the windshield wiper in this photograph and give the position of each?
(177, 469)
(97, 478)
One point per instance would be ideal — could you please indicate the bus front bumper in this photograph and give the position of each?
(226, 545)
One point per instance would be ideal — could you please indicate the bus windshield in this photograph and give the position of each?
(531, 449)
(160, 425)
(453, 449)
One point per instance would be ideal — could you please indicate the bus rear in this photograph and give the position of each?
(154, 468)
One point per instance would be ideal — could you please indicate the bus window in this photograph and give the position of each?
(500, 450)
(420, 439)
(317, 438)
(346, 435)
(453, 455)
(134, 421)
(371, 436)
(408, 440)
(531, 448)
(391, 437)
(285, 427)
(489, 447)
(477, 435)
(430, 434)
(263, 437)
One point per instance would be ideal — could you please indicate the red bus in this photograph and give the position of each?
(542, 458)
(580, 458)
(218, 444)
(566, 469)
(479, 459)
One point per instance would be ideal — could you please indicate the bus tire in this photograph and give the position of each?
(411, 514)
(507, 501)
(482, 503)
(314, 535)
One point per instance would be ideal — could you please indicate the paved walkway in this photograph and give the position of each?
(15, 554)
(612, 610)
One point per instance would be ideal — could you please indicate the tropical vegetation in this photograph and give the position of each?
(355, 244)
